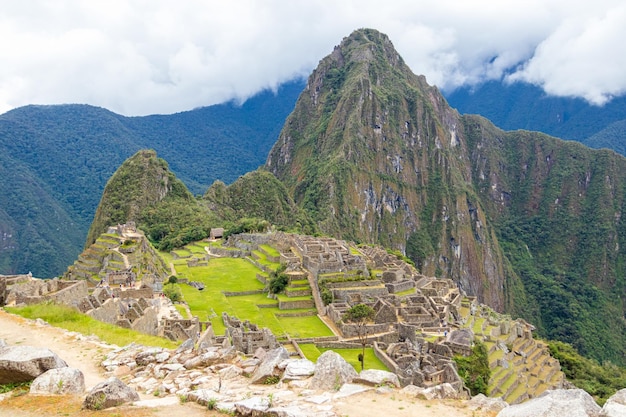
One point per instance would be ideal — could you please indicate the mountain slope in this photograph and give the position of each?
(375, 155)
(530, 224)
(65, 154)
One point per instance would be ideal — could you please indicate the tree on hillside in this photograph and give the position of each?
(360, 314)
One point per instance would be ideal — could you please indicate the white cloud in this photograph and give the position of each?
(162, 56)
(583, 57)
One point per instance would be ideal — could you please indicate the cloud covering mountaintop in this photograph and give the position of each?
(163, 56)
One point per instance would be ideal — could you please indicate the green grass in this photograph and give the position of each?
(270, 250)
(407, 292)
(235, 275)
(182, 311)
(67, 318)
(197, 248)
(350, 355)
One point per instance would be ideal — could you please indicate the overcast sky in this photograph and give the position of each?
(159, 56)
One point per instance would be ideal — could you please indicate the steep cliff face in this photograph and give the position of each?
(375, 154)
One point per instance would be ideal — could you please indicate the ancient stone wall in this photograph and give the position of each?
(107, 312)
(396, 287)
(290, 305)
(143, 292)
(148, 322)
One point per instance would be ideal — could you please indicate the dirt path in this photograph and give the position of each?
(80, 354)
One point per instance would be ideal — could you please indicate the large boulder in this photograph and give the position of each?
(331, 372)
(109, 393)
(268, 368)
(555, 403)
(59, 381)
(25, 363)
(615, 406)
(377, 378)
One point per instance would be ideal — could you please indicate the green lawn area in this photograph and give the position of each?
(407, 292)
(234, 275)
(197, 248)
(70, 319)
(270, 250)
(350, 355)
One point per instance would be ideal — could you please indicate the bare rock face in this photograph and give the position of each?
(615, 406)
(555, 403)
(109, 393)
(331, 372)
(59, 381)
(25, 363)
(269, 365)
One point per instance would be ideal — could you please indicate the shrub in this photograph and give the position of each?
(474, 369)
(173, 292)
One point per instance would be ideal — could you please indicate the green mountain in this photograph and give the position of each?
(260, 195)
(529, 223)
(56, 160)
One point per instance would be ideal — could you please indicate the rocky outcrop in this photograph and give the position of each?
(268, 368)
(331, 372)
(555, 403)
(25, 363)
(109, 393)
(59, 381)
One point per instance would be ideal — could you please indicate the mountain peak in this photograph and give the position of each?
(141, 181)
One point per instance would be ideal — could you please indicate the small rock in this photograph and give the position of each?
(268, 367)
(296, 369)
(58, 382)
(109, 393)
(252, 406)
(484, 403)
(376, 377)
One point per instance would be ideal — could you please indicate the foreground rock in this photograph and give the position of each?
(268, 368)
(59, 381)
(109, 393)
(377, 378)
(615, 406)
(25, 363)
(331, 372)
(555, 403)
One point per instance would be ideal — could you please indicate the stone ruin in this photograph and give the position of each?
(24, 289)
(246, 337)
(124, 277)
(125, 229)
